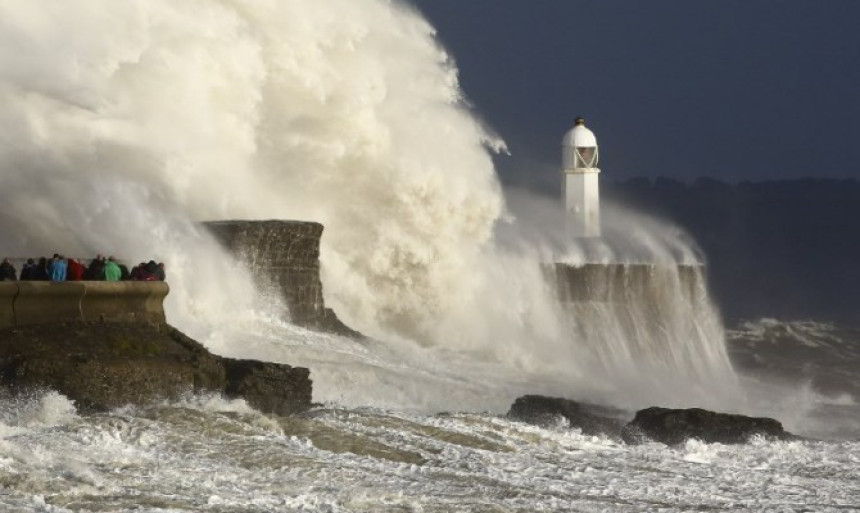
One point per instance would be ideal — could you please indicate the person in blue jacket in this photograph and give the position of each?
(58, 269)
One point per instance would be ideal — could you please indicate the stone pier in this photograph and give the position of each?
(284, 254)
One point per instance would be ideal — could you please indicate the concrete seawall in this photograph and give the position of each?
(107, 344)
(27, 303)
(651, 324)
(286, 255)
(625, 283)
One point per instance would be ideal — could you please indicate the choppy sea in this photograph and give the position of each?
(205, 453)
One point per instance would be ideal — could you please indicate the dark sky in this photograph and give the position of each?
(731, 89)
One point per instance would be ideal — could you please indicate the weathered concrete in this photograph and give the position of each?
(24, 303)
(8, 292)
(124, 301)
(40, 302)
(284, 254)
(619, 283)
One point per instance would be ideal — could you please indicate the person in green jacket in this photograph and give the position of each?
(112, 270)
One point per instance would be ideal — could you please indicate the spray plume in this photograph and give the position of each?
(126, 123)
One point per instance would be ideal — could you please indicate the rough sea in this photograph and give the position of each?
(128, 122)
(205, 453)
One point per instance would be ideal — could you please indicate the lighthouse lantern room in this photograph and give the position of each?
(580, 191)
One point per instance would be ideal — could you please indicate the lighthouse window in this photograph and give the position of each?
(586, 157)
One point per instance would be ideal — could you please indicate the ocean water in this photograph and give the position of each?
(805, 373)
(205, 453)
(129, 122)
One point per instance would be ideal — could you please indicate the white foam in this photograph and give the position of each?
(131, 122)
(38, 409)
(356, 460)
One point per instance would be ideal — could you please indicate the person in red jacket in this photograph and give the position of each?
(75, 271)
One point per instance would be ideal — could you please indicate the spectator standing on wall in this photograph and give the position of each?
(75, 270)
(125, 275)
(159, 272)
(51, 262)
(7, 271)
(58, 269)
(42, 270)
(29, 271)
(111, 270)
(96, 269)
(145, 272)
(134, 275)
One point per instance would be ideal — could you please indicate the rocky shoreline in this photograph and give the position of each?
(106, 345)
(104, 365)
(664, 425)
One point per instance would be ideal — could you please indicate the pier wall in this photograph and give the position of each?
(651, 324)
(27, 303)
(284, 255)
(624, 283)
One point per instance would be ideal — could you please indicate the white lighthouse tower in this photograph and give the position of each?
(580, 191)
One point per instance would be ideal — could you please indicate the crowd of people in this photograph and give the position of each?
(60, 268)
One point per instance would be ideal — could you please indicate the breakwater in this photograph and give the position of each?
(628, 283)
(650, 323)
(284, 255)
(107, 344)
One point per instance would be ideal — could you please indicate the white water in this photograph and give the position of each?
(126, 123)
(207, 454)
(803, 373)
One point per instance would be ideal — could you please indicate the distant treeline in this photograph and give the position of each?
(787, 249)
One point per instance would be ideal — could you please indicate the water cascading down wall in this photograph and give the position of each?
(646, 321)
(640, 326)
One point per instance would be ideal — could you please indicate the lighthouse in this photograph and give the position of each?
(579, 190)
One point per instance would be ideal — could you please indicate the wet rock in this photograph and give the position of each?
(672, 427)
(102, 366)
(269, 387)
(591, 419)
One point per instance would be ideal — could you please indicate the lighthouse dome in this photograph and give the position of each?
(580, 137)
(579, 147)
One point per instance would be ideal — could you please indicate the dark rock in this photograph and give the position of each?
(269, 387)
(676, 426)
(106, 365)
(590, 418)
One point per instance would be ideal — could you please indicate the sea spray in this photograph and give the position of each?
(152, 115)
(634, 306)
(128, 123)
